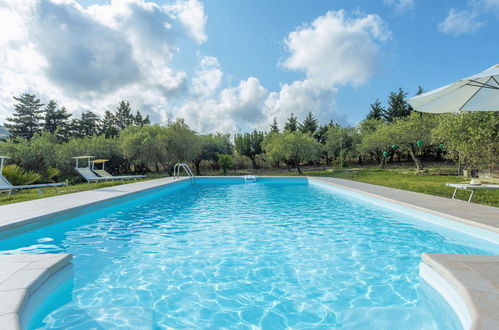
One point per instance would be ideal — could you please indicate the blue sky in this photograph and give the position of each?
(235, 65)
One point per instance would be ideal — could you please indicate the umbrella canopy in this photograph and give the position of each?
(476, 93)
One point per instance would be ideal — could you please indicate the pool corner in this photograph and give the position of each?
(25, 280)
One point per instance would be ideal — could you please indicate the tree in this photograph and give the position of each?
(309, 125)
(471, 137)
(25, 121)
(124, 116)
(292, 148)
(405, 132)
(109, 128)
(225, 161)
(250, 145)
(420, 90)
(57, 120)
(140, 120)
(292, 124)
(374, 139)
(274, 128)
(339, 141)
(182, 143)
(376, 112)
(397, 106)
(87, 125)
(211, 146)
(145, 146)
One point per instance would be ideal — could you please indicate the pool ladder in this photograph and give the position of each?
(186, 168)
(249, 178)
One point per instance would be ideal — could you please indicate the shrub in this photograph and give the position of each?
(18, 177)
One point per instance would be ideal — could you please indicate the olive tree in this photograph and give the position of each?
(470, 137)
(292, 148)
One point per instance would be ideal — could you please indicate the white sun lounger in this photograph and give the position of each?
(471, 187)
(90, 176)
(105, 174)
(5, 185)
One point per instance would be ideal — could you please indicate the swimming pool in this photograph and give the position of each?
(220, 253)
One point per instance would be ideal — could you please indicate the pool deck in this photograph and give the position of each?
(473, 278)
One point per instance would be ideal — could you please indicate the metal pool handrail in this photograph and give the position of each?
(187, 169)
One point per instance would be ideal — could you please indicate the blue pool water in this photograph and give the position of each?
(273, 254)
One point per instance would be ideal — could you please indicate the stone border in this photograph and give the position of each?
(21, 278)
(473, 285)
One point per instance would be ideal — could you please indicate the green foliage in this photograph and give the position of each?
(339, 138)
(309, 125)
(210, 146)
(377, 111)
(25, 121)
(470, 137)
(274, 127)
(18, 177)
(250, 145)
(57, 120)
(225, 161)
(87, 125)
(397, 106)
(292, 148)
(153, 144)
(292, 123)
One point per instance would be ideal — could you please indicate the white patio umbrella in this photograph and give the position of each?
(476, 93)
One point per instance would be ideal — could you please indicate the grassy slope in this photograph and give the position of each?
(422, 183)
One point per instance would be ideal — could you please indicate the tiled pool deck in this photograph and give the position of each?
(473, 278)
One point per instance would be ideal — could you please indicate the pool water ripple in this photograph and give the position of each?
(242, 256)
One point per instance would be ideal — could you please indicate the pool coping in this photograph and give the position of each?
(21, 278)
(469, 283)
(24, 213)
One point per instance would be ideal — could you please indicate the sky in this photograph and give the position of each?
(233, 66)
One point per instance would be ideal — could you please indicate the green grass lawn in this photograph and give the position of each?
(407, 180)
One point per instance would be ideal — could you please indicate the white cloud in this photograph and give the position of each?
(234, 109)
(89, 58)
(208, 78)
(332, 51)
(401, 6)
(191, 14)
(458, 22)
(337, 50)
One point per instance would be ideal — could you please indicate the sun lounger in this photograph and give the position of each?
(105, 174)
(471, 187)
(5, 185)
(90, 176)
